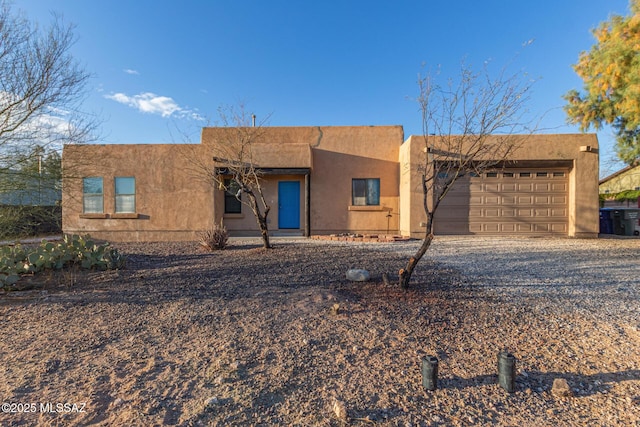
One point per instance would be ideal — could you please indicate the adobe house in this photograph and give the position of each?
(324, 180)
(622, 188)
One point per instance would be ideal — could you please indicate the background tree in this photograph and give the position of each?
(30, 195)
(41, 90)
(228, 162)
(611, 75)
(469, 125)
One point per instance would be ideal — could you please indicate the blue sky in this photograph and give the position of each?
(160, 64)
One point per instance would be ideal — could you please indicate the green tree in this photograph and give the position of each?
(611, 75)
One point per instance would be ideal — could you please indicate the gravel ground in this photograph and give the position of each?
(248, 337)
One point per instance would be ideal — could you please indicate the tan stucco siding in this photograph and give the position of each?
(577, 152)
(245, 223)
(331, 194)
(170, 204)
(175, 200)
(341, 155)
(335, 155)
(412, 211)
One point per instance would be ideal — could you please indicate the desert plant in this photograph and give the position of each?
(73, 252)
(215, 238)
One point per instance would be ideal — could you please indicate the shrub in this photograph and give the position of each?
(25, 221)
(214, 238)
(73, 252)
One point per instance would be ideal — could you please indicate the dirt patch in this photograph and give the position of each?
(247, 337)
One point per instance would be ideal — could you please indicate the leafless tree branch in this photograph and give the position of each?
(470, 125)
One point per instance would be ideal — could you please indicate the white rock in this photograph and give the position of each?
(358, 275)
(340, 410)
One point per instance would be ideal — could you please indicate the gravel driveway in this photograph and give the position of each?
(247, 337)
(601, 275)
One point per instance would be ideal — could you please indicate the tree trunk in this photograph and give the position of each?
(405, 273)
(260, 219)
(262, 222)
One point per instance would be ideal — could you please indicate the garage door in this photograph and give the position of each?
(509, 201)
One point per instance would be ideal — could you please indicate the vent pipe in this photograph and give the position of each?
(253, 120)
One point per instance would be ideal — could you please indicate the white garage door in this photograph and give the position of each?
(510, 201)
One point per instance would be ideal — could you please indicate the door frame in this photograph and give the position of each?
(292, 193)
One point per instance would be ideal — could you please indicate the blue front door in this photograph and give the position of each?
(288, 204)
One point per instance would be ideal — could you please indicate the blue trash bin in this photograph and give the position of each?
(606, 221)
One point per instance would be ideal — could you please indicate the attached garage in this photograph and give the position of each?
(519, 201)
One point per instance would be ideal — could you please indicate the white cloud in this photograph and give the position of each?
(151, 103)
(130, 71)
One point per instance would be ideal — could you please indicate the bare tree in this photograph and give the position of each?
(41, 86)
(469, 125)
(41, 91)
(228, 163)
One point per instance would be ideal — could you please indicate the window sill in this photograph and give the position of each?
(125, 216)
(94, 215)
(370, 208)
(233, 216)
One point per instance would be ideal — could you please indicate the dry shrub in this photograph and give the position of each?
(215, 238)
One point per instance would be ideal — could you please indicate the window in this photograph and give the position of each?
(558, 174)
(507, 174)
(232, 204)
(492, 174)
(366, 192)
(525, 174)
(541, 174)
(125, 195)
(92, 195)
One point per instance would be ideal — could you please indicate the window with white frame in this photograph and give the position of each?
(125, 194)
(365, 191)
(92, 195)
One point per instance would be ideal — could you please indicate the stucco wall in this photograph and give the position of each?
(244, 223)
(412, 212)
(565, 149)
(342, 154)
(335, 155)
(170, 203)
(174, 201)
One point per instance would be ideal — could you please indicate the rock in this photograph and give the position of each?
(335, 309)
(358, 275)
(211, 402)
(340, 410)
(561, 388)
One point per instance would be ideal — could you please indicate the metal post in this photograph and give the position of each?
(507, 371)
(430, 372)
